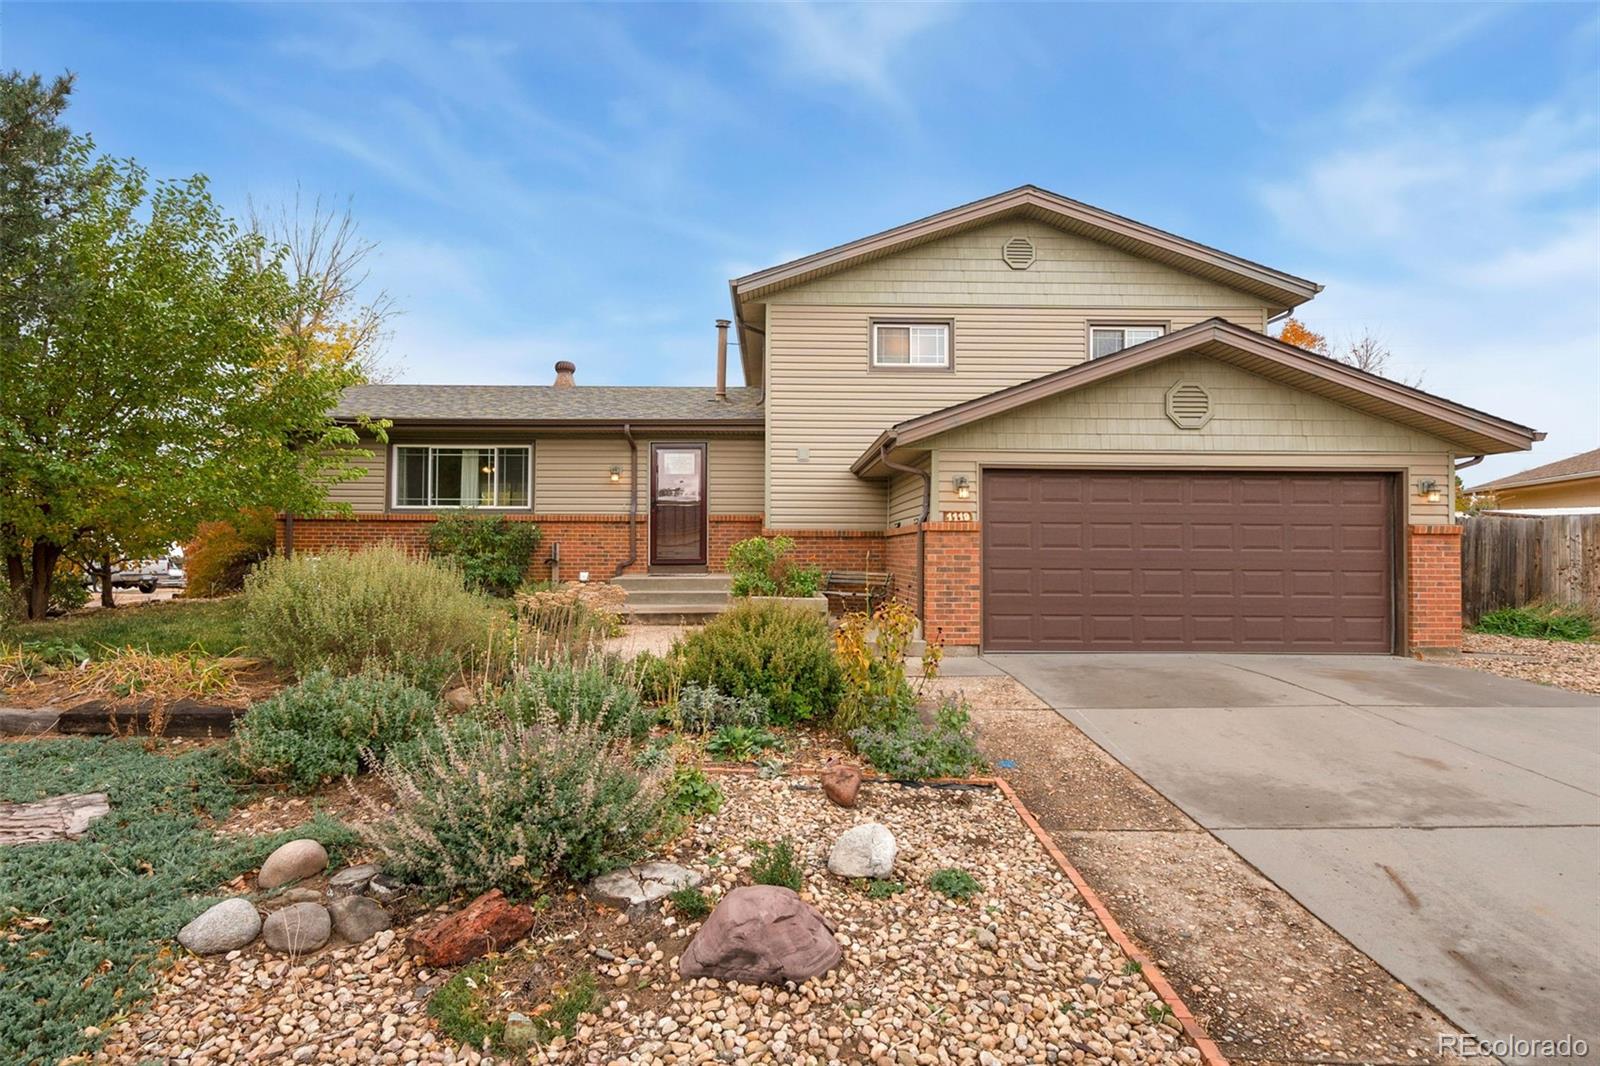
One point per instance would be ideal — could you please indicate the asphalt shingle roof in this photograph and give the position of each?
(1584, 464)
(546, 403)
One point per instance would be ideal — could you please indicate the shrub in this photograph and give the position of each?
(705, 710)
(381, 608)
(569, 620)
(741, 743)
(909, 750)
(691, 793)
(776, 864)
(954, 882)
(1544, 622)
(872, 662)
(690, 902)
(507, 806)
(492, 552)
(762, 567)
(781, 652)
(316, 731)
(592, 693)
(223, 551)
(656, 677)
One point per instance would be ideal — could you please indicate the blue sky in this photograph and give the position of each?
(580, 181)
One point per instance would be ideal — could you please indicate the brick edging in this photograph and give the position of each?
(1210, 1053)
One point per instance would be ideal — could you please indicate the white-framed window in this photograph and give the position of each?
(1103, 340)
(925, 344)
(463, 475)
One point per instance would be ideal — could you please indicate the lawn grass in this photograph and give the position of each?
(214, 626)
(84, 924)
(1543, 622)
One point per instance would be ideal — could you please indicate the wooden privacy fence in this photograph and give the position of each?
(1509, 561)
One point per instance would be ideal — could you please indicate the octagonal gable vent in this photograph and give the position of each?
(1188, 405)
(1018, 253)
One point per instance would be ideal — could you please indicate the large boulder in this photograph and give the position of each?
(761, 934)
(639, 886)
(863, 851)
(489, 923)
(229, 925)
(356, 917)
(291, 862)
(297, 929)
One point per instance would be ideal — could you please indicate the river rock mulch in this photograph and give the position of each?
(1021, 972)
(1565, 664)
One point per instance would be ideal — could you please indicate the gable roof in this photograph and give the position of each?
(547, 405)
(1572, 468)
(1281, 291)
(1474, 431)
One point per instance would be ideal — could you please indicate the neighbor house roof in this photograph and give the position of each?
(577, 405)
(1472, 430)
(1279, 289)
(1572, 468)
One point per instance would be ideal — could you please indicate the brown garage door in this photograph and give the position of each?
(1102, 561)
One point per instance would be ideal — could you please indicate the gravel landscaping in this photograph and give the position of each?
(1019, 972)
(1565, 664)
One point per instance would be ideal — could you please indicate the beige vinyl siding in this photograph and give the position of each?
(1068, 271)
(1256, 423)
(905, 497)
(571, 475)
(822, 395)
(364, 494)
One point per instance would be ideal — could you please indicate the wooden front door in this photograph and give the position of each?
(677, 505)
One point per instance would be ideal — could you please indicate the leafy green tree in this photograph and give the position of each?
(146, 381)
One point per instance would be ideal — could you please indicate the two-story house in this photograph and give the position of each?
(1057, 428)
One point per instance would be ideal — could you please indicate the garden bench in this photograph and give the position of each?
(856, 589)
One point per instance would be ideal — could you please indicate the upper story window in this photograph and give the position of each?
(911, 344)
(1103, 340)
(463, 475)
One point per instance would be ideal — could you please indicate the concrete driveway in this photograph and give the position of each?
(1445, 821)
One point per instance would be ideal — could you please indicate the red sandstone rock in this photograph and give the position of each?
(488, 923)
(761, 934)
(840, 784)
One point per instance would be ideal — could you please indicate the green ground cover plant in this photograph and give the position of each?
(214, 627)
(1545, 622)
(772, 650)
(85, 923)
(776, 864)
(380, 608)
(690, 902)
(462, 1006)
(321, 729)
(699, 709)
(740, 743)
(912, 750)
(954, 882)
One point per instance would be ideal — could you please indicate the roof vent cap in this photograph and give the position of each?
(564, 372)
(1188, 405)
(1018, 253)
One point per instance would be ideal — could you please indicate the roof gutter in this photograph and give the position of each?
(922, 523)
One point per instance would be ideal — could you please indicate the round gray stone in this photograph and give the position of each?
(227, 926)
(291, 862)
(352, 879)
(863, 851)
(356, 917)
(298, 929)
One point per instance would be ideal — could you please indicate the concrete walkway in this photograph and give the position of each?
(1446, 822)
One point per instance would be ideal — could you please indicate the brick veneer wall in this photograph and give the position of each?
(836, 549)
(728, 530)
(900, 550)
(1433, 589)
(953, 571)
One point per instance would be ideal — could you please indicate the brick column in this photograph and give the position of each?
(955, 580)
(1433, 589)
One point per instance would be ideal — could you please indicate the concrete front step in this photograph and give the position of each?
(667, 614)
(673, 583)
(653, 597)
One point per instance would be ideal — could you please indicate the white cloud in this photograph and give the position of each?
(859, 47)
(1471, 243)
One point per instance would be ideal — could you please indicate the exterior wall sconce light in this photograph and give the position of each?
(1429, 490)
(616, 474)
(963, 486)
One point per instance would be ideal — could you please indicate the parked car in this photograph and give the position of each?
(149, 575)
